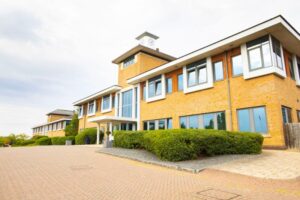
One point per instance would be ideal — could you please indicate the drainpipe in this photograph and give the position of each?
(228, 93)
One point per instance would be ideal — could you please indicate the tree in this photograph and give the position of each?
(72, 128)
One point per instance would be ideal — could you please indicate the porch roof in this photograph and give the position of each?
(105, 119)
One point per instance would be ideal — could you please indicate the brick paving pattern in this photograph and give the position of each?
(60, 172)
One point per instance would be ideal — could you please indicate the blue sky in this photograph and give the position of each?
(53, 53)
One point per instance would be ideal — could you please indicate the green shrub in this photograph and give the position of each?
(186, 144)
(128, 139)
(58, 140)
(36, 137)
(20, 142)
(43, 141)
(90, 133)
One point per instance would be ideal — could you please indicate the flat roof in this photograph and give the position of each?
(103, 92)
(59, 120)
(147, 50)
(278, 26)
(61, 112)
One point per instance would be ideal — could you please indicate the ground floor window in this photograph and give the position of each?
(286, 114)
(158, 124)
(204, 121)
(298, 115)
(253, 120)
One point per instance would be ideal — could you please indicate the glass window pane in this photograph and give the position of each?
(161, 124)
(169, 85)
(105, 102)
(145, 126)
(180, 82)
(221, 121)
(151, 125)
(218, 71)
(191, 78)
(151, 89)
(208, 121)
(237, 65)
(244, 120)
(144, 92)
(260, 120)
(183, 122)
(127, 103)
(255, 58)
(194, 121)
(267, 55)
(277, 52)
(158, 88)
(169, 123)
(202, 75)
(291, 67)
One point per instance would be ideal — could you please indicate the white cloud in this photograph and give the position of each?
(55, 52)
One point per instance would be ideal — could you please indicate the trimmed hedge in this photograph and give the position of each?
(62, 140)
(43, 141)
(24, 142)
(186, 144)
(85, 135)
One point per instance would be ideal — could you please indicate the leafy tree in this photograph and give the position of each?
(72, 128)
(22, 136)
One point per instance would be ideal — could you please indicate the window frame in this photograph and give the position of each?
(196, 67)
(178, 82)
(288, 114)
(110, 103)
(291, 68)
(128, 61)
(80, 111)
(214, 70)
(167, 85)
(156, 122)
(94, 108)
(252, 119)
(232, 67)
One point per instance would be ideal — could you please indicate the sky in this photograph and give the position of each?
(53, 53)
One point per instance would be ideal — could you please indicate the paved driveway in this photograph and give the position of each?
(77, 172)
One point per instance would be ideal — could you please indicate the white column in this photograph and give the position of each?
(98, 134)
(110, 130)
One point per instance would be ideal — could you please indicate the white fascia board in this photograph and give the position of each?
(111, 118)
(216, 45)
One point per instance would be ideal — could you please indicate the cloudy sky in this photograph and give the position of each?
(53, 53)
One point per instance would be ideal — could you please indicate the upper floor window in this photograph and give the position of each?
(80, 111)
(237, 65)
(196, 73)
(169, 87)
(180, 82)
(291, 67)
(91, 107)
(127, 103)
(277, 53)
(105, 103)
(259, 53)
(253, 120)
(218, 71)
(144, 92)
(128, 61)
(298, 66)
(154, 87)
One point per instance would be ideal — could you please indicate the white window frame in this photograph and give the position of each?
(94, 109)
(296, 61)
(110, 104)
(203, 86)
(163, 90)
(80, 112)
(248, 74)
(134, 61)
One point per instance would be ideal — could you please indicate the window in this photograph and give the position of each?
(207, 121)
(169, 85)
(80, 111)
(259, 53)
(54, 126)
(286, 115)
(106, 103)
(127, 103)
(237, 65)
(253, 120)
(144, 92)
(218, 71)
(136, 102)
(154, 87)
(59, 126)
(91, 107)
(128, 61)
(298, 65)
(113, 102)
(196, 73)
(277, 53)
(298, 115)
(180, 82)
(158, 124)
(118, 104)
(291, 67)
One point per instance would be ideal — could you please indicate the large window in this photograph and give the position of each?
(259, 53)
(169, 87)
(196, 73)
(286, 115)
(127, 103)
(128, 61)
(180, 82)
(91, 107)
(277, 53)
(291, 67)
(237, 65)
(80, 111)
(218, 71)
(154, 87)
(105, 103)
(158, 124)
(253, 120)
(204, 121)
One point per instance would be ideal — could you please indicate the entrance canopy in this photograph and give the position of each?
(107, 119)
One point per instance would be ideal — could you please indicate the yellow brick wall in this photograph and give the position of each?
(52, 118)
(58, 133)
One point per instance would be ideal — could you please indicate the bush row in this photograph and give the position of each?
(186, 144)
(86, 136)
(62, 140)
